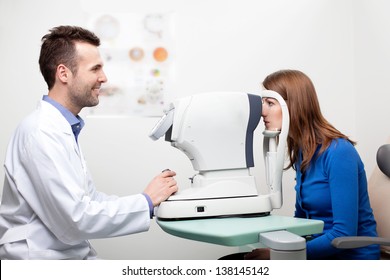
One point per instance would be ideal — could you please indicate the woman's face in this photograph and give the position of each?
(272, 114)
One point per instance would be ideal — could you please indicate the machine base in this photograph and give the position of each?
(254, 206)
(214, 217)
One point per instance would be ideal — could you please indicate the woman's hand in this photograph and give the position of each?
(258, 254)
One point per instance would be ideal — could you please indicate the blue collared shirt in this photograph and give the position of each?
(77, 123)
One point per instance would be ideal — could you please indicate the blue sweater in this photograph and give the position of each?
(334, 189)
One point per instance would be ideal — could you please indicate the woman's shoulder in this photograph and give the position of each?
(341, 143)
(342, 147)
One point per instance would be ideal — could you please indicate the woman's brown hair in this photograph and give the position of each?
(308, 127)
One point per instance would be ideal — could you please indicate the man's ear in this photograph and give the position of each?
(63, 73)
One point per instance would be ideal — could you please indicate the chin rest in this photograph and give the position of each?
(379, 191)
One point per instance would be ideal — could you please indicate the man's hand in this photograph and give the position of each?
(161, 187)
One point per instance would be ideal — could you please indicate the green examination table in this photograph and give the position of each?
(283, 235)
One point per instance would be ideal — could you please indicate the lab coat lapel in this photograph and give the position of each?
(60, 123)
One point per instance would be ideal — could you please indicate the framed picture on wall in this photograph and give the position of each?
(139, 56)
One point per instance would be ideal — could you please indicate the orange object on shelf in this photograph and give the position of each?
(160, 54)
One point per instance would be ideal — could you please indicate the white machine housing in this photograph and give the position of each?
(215, 130)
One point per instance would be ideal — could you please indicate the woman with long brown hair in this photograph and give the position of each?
(331, 183)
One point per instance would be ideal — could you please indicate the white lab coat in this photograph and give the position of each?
(50, 206)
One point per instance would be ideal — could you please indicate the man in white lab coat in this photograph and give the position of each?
(50, 207)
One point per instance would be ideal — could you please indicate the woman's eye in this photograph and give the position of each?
(269, 103)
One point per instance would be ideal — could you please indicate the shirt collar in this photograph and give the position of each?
(76, 122)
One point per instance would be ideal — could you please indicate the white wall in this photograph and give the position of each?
(220, 45)
(372, 73)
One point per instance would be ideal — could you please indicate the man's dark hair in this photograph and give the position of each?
(58, 47)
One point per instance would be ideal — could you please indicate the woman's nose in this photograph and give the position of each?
(264, 110)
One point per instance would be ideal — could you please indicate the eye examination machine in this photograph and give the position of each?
(222, 205)
(216, 132)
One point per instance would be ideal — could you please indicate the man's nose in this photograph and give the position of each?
(103, 77)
